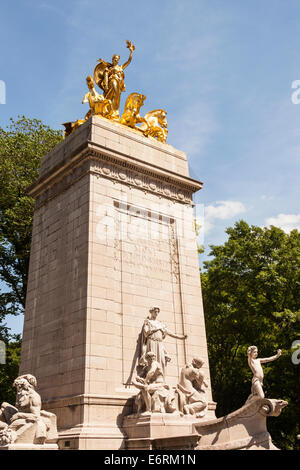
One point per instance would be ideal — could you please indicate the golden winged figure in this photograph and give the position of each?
(110, 78)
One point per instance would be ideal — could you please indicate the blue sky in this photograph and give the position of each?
(223, 70)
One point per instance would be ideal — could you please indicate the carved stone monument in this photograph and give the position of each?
(113, 234)
(26, 425)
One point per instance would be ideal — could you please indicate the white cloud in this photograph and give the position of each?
(221, 210)
(286, 222)
(224, 210)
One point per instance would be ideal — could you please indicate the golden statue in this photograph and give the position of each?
(98, 104)
(131, 115)
(156, 125)
(110, 78)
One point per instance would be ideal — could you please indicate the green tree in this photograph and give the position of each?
(251, 294)
(22, 145)
(9, 370)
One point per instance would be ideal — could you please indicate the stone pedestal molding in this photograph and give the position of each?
(244, 429)
(113, 235)
(29, 447)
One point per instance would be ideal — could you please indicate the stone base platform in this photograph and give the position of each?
(92, 437)
(244, 429)
(99, 419)
(29, 447)
(150, 431)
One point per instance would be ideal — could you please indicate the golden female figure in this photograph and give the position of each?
(110, 78)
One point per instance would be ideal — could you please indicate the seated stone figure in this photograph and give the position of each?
(6, 413)
(155, 396)
(26, 423)
(190, 389)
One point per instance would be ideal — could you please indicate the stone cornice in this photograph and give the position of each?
(148, 168)
(117, 167)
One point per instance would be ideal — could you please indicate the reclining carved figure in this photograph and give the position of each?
(26, 423)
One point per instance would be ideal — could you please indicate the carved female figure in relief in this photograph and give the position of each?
(153, 334)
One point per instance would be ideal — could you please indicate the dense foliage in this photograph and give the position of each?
(22, 146)
(251, 292)
(9, 370)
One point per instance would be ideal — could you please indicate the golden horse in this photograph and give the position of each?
(156, 125)
(131, 115)
(153, 124)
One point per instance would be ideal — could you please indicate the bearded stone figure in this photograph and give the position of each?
(26, 423)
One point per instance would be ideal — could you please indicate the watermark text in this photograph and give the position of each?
(2, 92)
(296, 353)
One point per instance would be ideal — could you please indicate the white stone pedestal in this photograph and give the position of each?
(145, 432)
(113, 235)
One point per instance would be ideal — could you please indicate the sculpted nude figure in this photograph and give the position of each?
(191, 388)
(258, 373)
(28, 401)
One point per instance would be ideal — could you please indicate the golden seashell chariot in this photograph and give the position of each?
(109, 77)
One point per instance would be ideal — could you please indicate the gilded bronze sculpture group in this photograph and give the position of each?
(109, 77)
